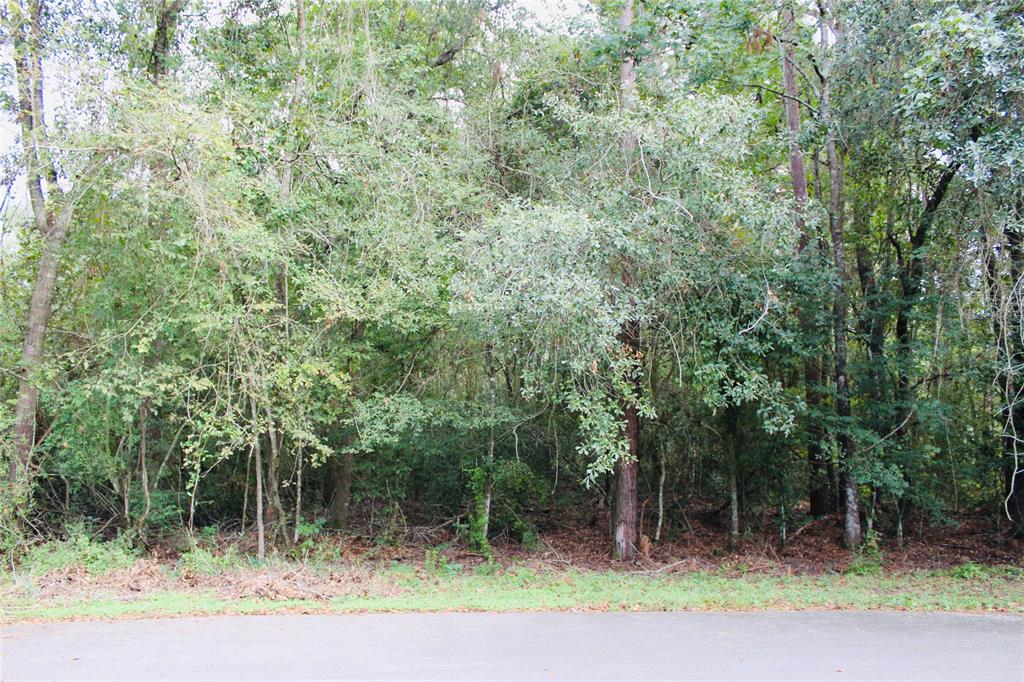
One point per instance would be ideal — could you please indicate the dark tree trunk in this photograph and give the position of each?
(873, 325)
(626, 507)
(627, 533)
(732, 436)
(819, 488)
(341, 500)
(166, 23)
(817, 481)
(911, 288)
(1008, 327)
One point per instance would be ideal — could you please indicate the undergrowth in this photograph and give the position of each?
(81, 549)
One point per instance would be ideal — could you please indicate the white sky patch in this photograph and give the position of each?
(558, 15)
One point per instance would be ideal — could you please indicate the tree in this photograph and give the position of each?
(51, 222)
(627, 530)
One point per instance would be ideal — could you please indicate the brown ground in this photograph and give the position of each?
(813, 548)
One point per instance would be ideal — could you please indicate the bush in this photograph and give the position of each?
(867, 560)
(202, 561)
(80, 549)
(165, 509)
(969, 571)
(436, 563)
(517, 492)
(308, 532)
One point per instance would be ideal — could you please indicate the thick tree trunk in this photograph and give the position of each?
(791, 106)
(626, 506)
(52, 227)
(40, 306)
(627, 532)
(817, 481)
(341, 500)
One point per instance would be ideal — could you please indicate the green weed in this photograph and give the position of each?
(80, 549)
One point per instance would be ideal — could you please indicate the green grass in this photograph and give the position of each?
(80, 549)
(975, 588)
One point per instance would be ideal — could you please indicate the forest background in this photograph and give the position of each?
(672, 281)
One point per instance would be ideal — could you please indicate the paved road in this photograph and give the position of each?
(796, 645)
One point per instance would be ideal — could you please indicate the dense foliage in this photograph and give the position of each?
(379, 265)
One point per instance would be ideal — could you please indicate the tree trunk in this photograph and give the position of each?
(836, 210)
(911, 285)
(851, 521)
(732, 425)
(492, 388)
(260, 532)
(626, 507)
(143, 468)
(627, 527)
(166, 24)
(873, 325)
(52, 227)
(298, 495)
(341, 500)
(661, 495)
(1008, 321)
(275, 509)
(817, 482)
(626, 537)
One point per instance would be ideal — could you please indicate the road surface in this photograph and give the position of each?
(784, 645)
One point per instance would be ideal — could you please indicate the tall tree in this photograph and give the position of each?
(817, 480)
(626, 539)
(829, 31)
(52, 212)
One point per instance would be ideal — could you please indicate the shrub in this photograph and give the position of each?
(436, 563)
(202, 561)
(867, 560)
(80, 549)
(969, 571)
